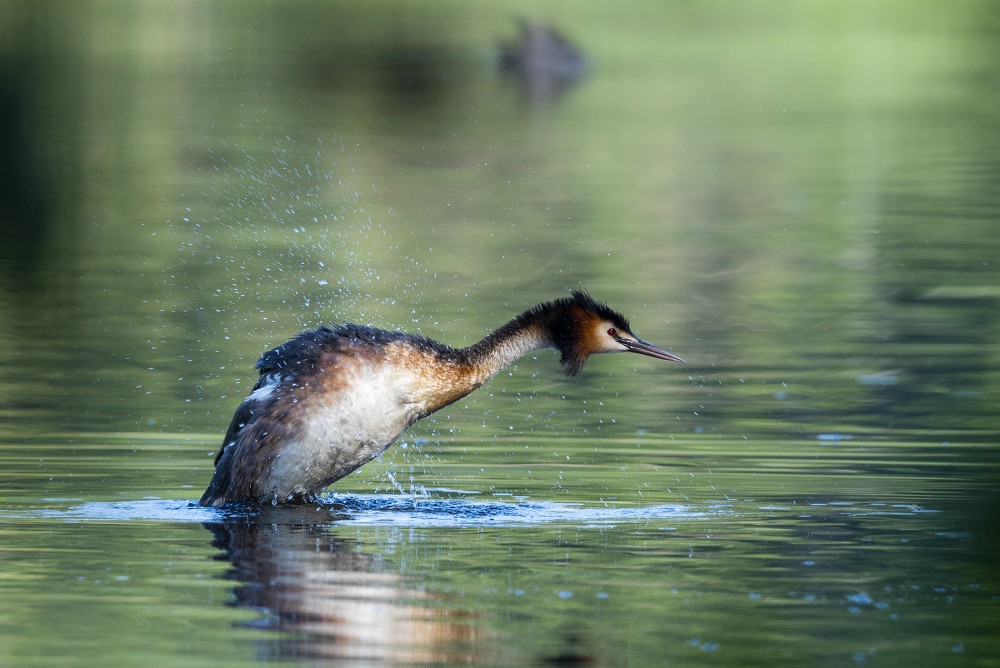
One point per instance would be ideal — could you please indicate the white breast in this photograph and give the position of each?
(343, 430)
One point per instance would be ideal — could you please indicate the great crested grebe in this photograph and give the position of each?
(331, 400)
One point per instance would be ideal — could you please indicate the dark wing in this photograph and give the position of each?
(297, 356)
(244, 413)
(295, 361)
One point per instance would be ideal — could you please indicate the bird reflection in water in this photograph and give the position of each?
(329, 599)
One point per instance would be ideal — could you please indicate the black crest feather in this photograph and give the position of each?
(560, 318)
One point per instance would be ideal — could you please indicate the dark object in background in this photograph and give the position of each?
(545, 62)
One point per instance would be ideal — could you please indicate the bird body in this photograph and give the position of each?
(330, 400)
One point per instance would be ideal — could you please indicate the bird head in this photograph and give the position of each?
(581, 326)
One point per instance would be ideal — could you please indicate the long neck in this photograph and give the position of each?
(506, 345)
(459, 371)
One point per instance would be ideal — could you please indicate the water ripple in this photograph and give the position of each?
(376, 509)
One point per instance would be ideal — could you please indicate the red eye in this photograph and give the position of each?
(613, 333)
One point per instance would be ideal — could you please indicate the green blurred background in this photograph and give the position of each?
(799, 198)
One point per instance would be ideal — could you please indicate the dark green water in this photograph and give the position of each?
(799, 199)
